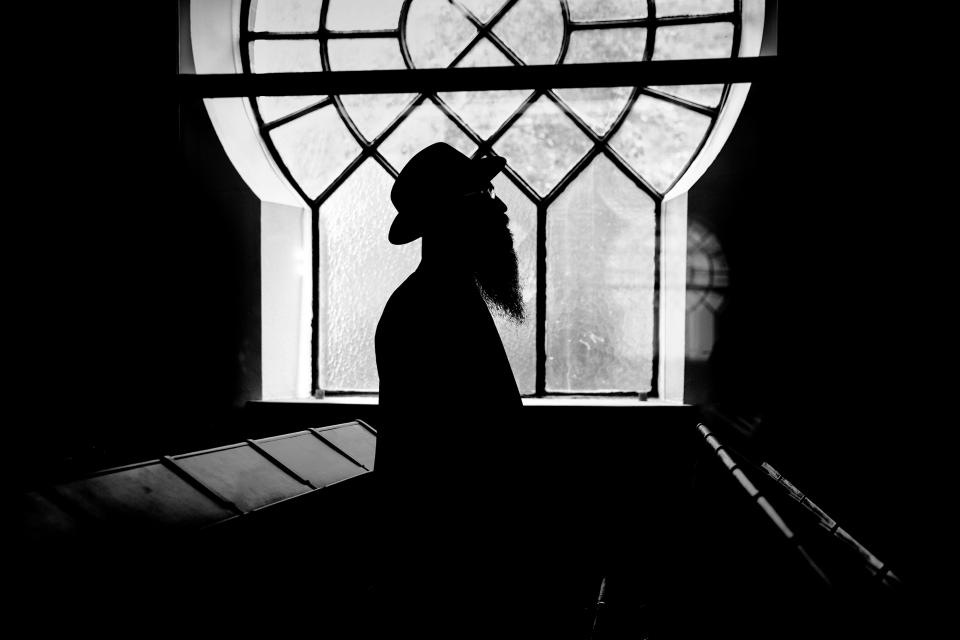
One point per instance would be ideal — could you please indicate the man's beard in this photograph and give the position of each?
(497, 275)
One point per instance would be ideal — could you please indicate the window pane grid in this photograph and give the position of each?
(599, 143)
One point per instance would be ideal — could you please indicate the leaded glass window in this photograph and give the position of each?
(587, 168)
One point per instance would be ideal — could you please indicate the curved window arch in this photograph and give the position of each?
(617, 152)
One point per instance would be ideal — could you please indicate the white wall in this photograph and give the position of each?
(285, 279)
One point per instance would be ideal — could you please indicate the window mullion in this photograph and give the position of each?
(541, 301)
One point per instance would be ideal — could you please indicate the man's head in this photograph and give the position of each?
(449, 200)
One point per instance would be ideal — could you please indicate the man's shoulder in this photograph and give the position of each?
(403, 306)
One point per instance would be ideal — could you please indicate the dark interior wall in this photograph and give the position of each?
(219, 297)
(737, 200)
(823, 336)
(133, 259)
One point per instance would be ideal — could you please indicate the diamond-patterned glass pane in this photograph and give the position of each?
(287, 15)
(591, 10)
(658, 139)
(354, 15)
(426, 125)
(606, 45)
(275, 56)
(373, 112)
(520, 340)
(365, 53)
(713, 40)
(274, 107)
(598, 106)
(533, 29)
(542, 145)
(436, 32)
(484, 111)
(692, 7)
(359, 269)
(706, 94)
(601, 236)
(316, 148)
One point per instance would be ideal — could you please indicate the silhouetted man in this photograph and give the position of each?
(448, 396)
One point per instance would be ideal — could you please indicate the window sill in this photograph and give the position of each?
(556, 401)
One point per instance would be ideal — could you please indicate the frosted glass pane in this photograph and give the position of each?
(359, 269)
(242, 476)
(713, 40)
(148, 495)
(347, 15)
(426, 125)
(607, 9)
(373, 112)
(692, 7)
(520, 340)
(483, 9)
(315, 461)
(353, 54)
(599, 106)
(606, 45)
(287, 15)
(658, 139)
(600, 277)
(542, 145)
(274, 107)
(484, 54)
(316, 148)
(436, 32)
(355, 441)
(533, 29)
(277, 56)
(706, 94)
(484, 111)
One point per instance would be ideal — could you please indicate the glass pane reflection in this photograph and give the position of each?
(364, 53)
(692, 7)
(287, 15)
(359, 269)
(712, 40)
(275, 107)
(599, 106)
(316, 148)
(533, 29)
(426, 125)
(706, 94)
(373, 112)
(484, 111)
(543, 145)
(584, 10)
(606, 45)
(659, 139)
(278, 56)
(436, 32)
(600, 284)
(352, 15)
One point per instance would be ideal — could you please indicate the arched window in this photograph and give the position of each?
(588, 169)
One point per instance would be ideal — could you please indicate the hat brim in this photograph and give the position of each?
(407, 228)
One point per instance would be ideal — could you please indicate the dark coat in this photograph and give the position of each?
(444, 375)
(448, 397)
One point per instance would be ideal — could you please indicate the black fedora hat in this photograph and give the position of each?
(436, 173)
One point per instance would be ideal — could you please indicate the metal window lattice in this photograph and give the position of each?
(486, 35)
